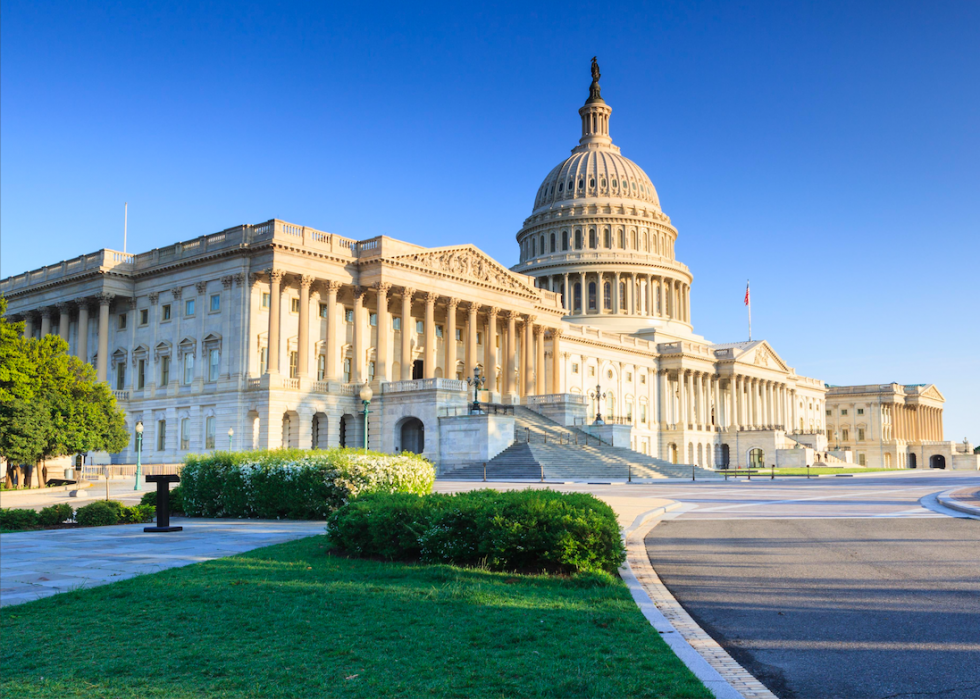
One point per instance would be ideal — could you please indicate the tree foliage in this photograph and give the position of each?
(50, 402)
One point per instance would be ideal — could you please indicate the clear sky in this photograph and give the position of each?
(829, 151)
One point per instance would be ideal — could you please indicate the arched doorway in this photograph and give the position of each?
(673, 453)
(937, 461)
(347, 431)
(290, 433)
(912, 463)
(320, 431)
(757, 458)
(413, 435)
(725, 456)
(700, 461)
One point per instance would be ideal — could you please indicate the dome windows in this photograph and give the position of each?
(603, 182)
(592, 183)
(615, 183)
(560, 186)
(634, 186)
(625, 186)
(581, 184)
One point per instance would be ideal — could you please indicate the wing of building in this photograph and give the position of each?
(262, 336)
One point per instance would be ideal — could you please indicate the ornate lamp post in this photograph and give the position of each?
(139, 452)
(231, 436)
(476, 381)
(598, 396)
(366, 395)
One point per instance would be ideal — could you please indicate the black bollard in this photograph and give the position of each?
(163, 503)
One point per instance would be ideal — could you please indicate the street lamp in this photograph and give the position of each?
(598, 396)
(231, 435)
(476, 381)
(139, 452)
(366, 395)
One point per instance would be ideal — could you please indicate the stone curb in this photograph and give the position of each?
(719, 672)
(4, 494)
(946, 499)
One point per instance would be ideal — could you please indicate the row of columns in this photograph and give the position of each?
(523, 340)
(650, 295)
(83, 306)
(916, 423)
(696, 400)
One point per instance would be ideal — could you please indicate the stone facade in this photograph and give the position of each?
(262, 336)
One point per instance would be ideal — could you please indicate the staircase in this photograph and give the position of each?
(543, 443)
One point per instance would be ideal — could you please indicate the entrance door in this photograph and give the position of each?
(725, 456)
(912, 463)
(757, 458)
(413, 435)
(418, 369)
(937, 461)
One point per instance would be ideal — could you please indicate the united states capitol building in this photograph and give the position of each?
(266, 335)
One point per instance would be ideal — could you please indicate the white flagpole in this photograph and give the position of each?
(125, 223)
(748, 302)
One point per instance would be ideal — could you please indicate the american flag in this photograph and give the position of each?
(746, 293)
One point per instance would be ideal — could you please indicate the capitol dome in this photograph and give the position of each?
(598, 237)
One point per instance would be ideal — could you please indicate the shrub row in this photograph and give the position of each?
(525, 530)
(294, 483)
(96, 514)
(176, 499)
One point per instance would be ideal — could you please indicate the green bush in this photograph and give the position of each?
(99, 514)
(294, 483)
(525, 530)
(55, 514)
(138, 514)
(176, 499)
(18, 519)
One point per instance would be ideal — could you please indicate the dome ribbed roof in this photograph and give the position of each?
(596, 174)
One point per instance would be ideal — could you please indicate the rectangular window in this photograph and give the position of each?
(643, 414)
(396, 323)
(321, 368)
(120, 376)
(140, 374)
(844, 411)
(188, 368)
(213, 357)
(629, 375)
(346, 369)
(161, 435)
(862, 461)
(828, 413)
(860, 411)
(263, 359)
(479, 338)
(185, 434)
(348, 315)
(830, 435)
(165, 312)
(144, 316)
(164, 371)
(459, 334)
(122, 321)
(294, 305)
(643, 378)
(371, 367)
(293, 365)
(373, 319)
(439, 331)
(209, 432)
(843, 435)
(860, 434)
(574, 367)
(591, 371)
(189, 307)
(419, 327)
(266, 299)
(323, 310)
(215, 303)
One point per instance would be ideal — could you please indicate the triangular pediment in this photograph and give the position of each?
(467, 263)
(759, 354)
(933, 392)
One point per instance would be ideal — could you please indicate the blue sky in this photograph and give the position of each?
(828, 151)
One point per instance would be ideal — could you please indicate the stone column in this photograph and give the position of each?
(566, 296)
(81, 350)
(490, 350)
(528, 355)
(600, 294)
(539, 372)
(584, 308)
(29, 326)
(631, 295)
(383, 369)
(430, 334)
(615, 293)
(45, 322)
(63, 318)
(450, 339)
(303, 340)
(358, 370)
(407, 331)
(716, 393)
(103, 359)
(471, 345)
(555, 361)
(275, 303)
(333, 341)
(226, 342)
(509, 384)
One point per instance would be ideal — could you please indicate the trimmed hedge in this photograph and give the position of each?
(18, 519)
(294, 483)
(102, 513)
(55, 514)
(523, 530)
(176, 499)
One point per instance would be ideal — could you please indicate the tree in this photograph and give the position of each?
(51, 403)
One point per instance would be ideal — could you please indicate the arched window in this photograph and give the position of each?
(321, 367)
(541, 246)
(533, 246)
(592, 239)
(564, 240)
(633, 240)
(622, 296)
(578, 239)
(552, 242)
(622, 238)
(607, 296)
(577, 301)
(606, 239)
(591, 296)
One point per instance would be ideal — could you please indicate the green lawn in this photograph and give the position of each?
(292, 621)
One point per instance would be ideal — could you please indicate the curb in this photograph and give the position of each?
(709, 662)
(41, 491)
(946, 499)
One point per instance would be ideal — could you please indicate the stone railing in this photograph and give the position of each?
(121, 395)
(101, 260)
(424, 385)
(252, 383)
(556, 399)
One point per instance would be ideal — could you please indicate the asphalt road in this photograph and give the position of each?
(848, 608)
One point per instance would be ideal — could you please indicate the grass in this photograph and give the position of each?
(292, 621)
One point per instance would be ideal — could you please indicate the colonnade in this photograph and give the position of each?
(64, 310)
(915, 423)
(652, 295)
(519, 370)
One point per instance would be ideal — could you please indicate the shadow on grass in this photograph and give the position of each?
(292, 621)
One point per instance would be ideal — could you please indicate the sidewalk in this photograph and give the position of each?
(965, 500)
(120, 489)
(42, 563)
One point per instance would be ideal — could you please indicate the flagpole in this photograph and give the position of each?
(748, 302)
